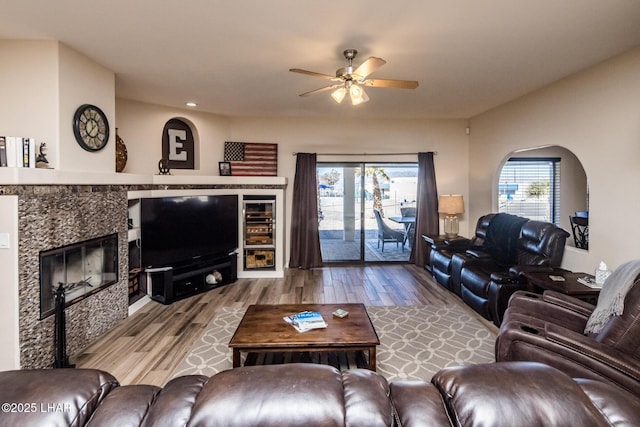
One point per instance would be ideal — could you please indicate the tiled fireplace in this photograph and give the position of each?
(54, 216)
(80, 269)
(50, 217)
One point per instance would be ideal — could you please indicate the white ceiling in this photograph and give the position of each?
(232, 57)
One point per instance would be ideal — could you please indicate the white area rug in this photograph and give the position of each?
(415, 342)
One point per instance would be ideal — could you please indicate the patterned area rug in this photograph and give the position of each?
(415, 342)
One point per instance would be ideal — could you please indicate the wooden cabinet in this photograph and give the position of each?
(259, 227)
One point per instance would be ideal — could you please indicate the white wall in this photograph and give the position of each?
(446, 137)
(29, 88)
(83, 81)
(42, 84)
(596, 115)
(140, 126)
(9, 338)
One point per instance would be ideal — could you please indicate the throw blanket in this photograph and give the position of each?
(611, 299)
(502, 237)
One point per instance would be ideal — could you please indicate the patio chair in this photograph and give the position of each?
(386, 233)
(408, 211)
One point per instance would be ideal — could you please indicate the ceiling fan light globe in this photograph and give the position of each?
(355, 91)
(358, 95)
(339, 94)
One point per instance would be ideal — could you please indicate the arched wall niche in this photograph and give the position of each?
(574, 190)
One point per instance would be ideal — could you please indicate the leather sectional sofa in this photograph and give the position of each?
(550, 328)
(500, 394)
(486, 270)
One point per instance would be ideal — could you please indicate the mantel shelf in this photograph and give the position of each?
(27, 176)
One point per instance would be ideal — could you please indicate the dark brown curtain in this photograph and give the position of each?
(427, 220)
(305, 240)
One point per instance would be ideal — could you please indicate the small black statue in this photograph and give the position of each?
(163, 167)
(41, 160)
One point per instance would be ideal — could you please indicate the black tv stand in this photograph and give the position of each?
(169, 284)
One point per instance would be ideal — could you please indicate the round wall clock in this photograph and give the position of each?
(91, 127)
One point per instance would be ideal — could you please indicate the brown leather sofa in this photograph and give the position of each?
(274, 395)
(549, 328)
(486, 277)
(502, 394)
(442, 252)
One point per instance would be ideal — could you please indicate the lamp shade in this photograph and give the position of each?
(451, 204)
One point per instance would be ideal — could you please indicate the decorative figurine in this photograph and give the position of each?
(163, 167)
(121, 153)
(41, 160)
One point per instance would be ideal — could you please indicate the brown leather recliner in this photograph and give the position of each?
(488, 283)
(442, 252)
(549, 328)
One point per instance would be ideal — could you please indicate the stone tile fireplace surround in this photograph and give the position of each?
(51, 216)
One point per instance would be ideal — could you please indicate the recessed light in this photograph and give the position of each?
(191, 104)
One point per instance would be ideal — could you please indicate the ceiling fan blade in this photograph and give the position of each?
(322, 89)
(401, 84)
(311, 73)
(369, 66)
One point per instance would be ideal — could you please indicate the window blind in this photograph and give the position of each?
(530, 187)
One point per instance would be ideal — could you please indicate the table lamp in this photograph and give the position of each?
(451, 205)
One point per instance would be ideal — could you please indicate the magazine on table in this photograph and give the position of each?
(589, 281)
(306, 320)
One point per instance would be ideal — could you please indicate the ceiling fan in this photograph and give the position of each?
(351, 81)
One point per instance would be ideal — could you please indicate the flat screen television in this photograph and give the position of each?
(177, 231)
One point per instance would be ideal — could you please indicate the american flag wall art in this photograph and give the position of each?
(252, 158)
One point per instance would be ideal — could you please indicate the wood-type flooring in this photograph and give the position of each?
(146, 347)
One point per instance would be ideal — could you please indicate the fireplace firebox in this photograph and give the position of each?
(82, 268)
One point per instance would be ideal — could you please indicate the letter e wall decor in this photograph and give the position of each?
(178, 146)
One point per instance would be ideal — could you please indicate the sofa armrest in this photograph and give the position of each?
(552, 306)
(506, 278)
(458, 244)
(479, 254)
(73, 393)
(516, 273)
(574, 304)
(507, 394)
(571, 352)
(520, 270)
(600, 353)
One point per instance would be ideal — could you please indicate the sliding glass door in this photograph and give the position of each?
(349, 194)
(340, 212)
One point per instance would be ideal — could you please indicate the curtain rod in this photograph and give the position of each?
(366, 154)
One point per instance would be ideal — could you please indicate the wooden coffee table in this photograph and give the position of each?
(262, 329)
